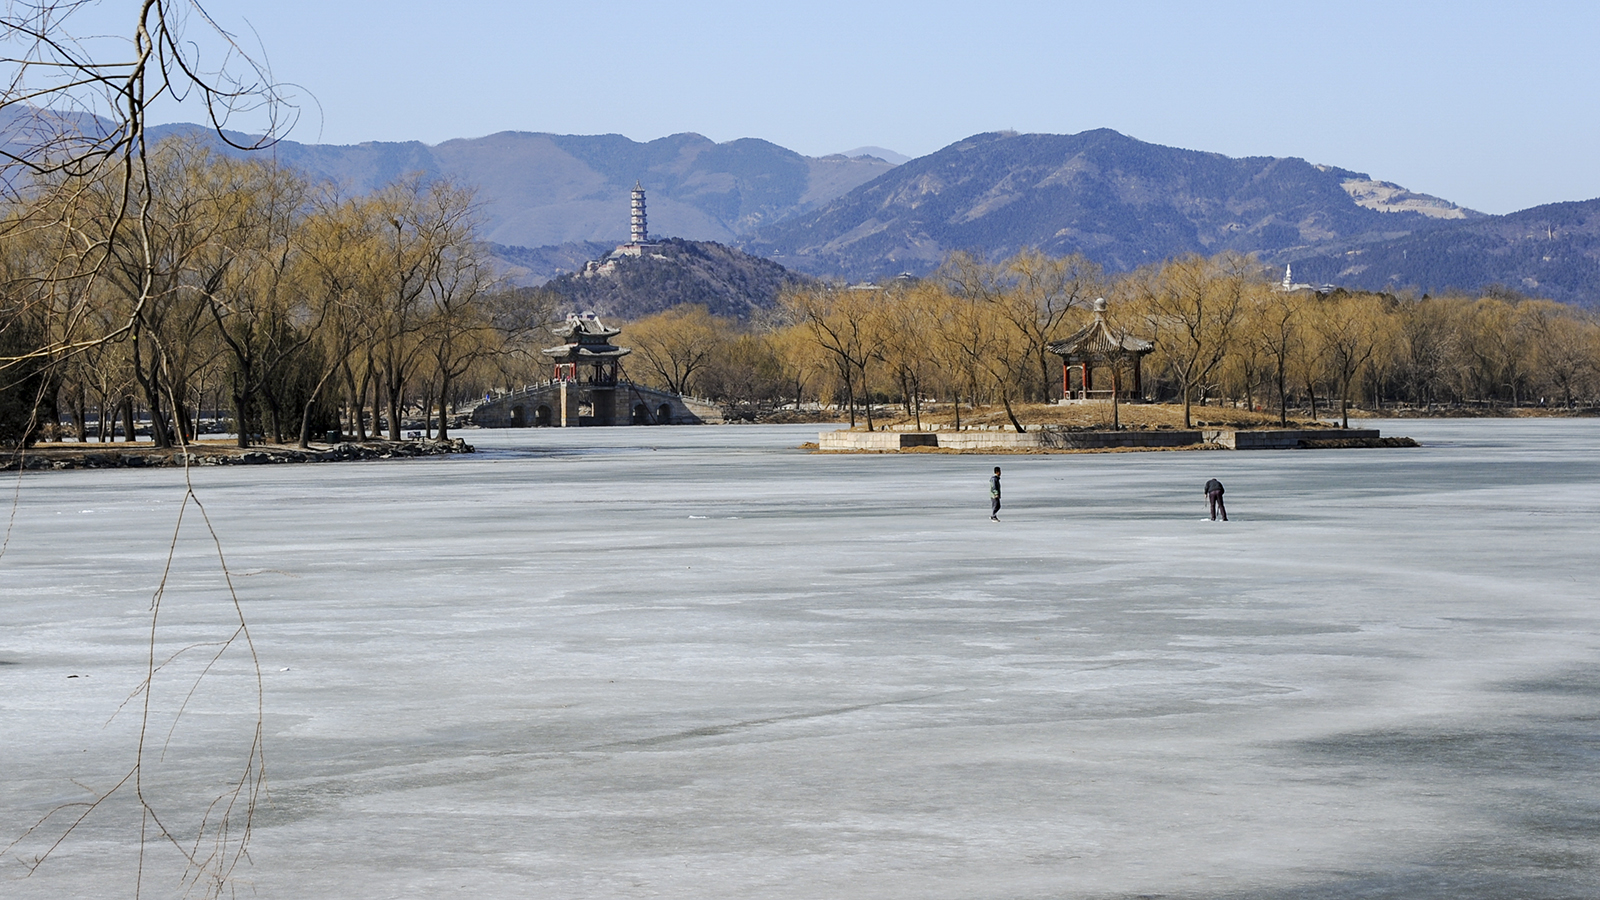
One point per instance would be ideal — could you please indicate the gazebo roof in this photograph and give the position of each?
(588, 340)
(1096, 340)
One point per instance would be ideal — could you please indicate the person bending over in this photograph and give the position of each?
(1214, 499)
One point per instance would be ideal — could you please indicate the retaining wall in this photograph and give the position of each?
(1263, 439)
(1284, 438)
(1004, 440)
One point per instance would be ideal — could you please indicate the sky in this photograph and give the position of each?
(1492, 105)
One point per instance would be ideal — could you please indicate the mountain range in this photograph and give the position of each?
(1124, 203)
(1120, 201)
(547, 189)
(551, 202)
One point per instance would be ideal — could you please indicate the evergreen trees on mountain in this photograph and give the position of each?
(725, 281)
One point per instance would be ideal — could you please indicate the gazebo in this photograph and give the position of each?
(1098, 346)
(586, 372)
(588, 345)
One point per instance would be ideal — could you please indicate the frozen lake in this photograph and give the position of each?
(699, 663)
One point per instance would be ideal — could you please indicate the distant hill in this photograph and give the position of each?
(547, 189)
(529, 266)
(728, 282)
(880, 152)
(1120, 201)
(1547, 251)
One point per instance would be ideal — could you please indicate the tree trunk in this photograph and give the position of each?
(377, 388)
(159, 435)
(866, 397)
(1283, 395)
(241, 415)
(444, 420)
(393, 390)
(80, 402)
(311, 403)
(359, 401)
(1005, 400)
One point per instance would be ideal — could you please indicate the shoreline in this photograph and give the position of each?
(91, 455)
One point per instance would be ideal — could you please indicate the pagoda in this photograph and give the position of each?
(639, 242)
(1098, 346)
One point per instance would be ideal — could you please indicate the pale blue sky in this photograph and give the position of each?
(1490, 104)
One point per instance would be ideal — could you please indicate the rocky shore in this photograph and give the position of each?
(126, 456)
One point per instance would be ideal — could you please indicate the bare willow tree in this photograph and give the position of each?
(845, 323)
(73, 117)
(1191, 305)
(677, 345)
(1002, 316)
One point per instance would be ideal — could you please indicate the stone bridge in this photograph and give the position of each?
(573, 403)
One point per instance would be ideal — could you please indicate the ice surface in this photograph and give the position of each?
(700, 663)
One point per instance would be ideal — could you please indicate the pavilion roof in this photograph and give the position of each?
(588, 340)
(1098, 340)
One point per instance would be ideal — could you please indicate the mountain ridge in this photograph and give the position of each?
(1118, 200)
(549, 199)
(541, 189)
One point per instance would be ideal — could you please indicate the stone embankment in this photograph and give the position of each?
(103, 456)
(1046, 440)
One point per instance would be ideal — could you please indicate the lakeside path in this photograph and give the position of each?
(702, 663)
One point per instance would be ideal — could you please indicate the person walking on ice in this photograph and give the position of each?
(994, 495)
(1213, 499)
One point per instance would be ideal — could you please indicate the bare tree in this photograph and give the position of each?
(1192, 305)
(76, 116)
(842, 322)
(677, 344)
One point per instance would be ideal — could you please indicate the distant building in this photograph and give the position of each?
(639, 243)
(587, 387)
(1289, 285)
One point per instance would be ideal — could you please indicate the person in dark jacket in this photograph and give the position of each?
(1214, 499)
(994, 495)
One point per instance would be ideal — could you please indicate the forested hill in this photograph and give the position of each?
(726, 281)
(1121, 201)
(1547, 251)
